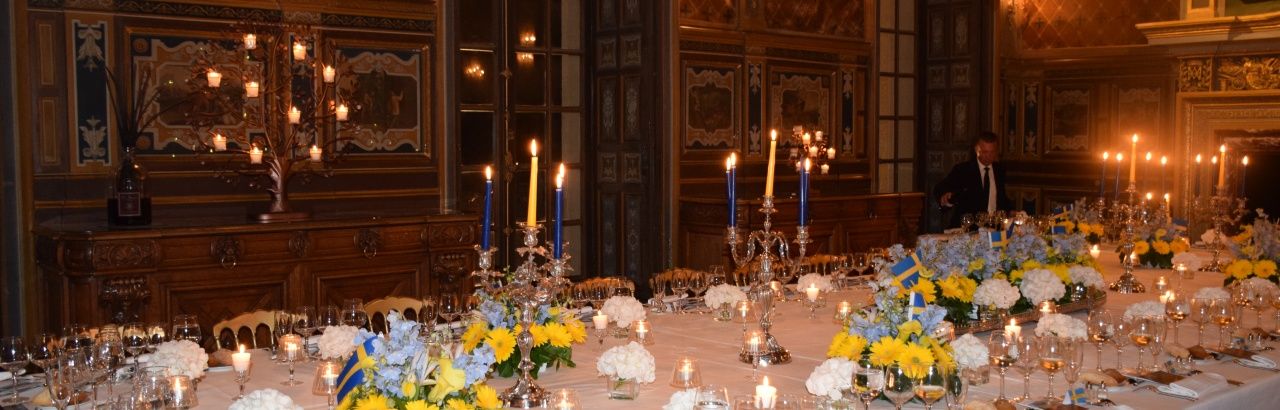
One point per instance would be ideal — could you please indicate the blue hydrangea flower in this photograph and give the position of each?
(476, 364)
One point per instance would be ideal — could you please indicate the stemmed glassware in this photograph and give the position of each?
(284, 326)
(931, 386)
(868, 383)
(157, 333)
(699, 285)
(1121, 339)
(1100, 331)
(45, 353)
(1075, 362)
(957, 388)
(1202, 312)
(744, 312)
(427, 314)
(1054, 353)
(1004, 352)
(1141, 333)
(710, 396)
(13, 359)
(1275, 304)
(111, 349)
(898, 386)
(329, 315)
(1258, 302)
(353, 313)
(290, 356)
(1158, 339)
(1027, 361)
(75, 337)
(305, 321)
(753, 345)
(186, 327)
(1223, 315)
(1176, 309)
(135, 340)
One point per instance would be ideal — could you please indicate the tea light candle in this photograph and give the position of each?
(825, 169)
(812, 292)
(831, 154)
(214, 78)
(255, 155)
(315, 153)
(1095, 252)
(766, 395)
(295, 116)
(1012, 330)
(291, 351)
(299, 51)
(219, 142)
(1161, 284)
(240, 360)
(1166, 297)
(564, 404)
(250, 41)
(844, 307)
(251, 89)
(601, 321)
(642, 331)
(1183, 272)
(329, 73)
(1048, 307)
(744, 309)
(686, 370)
(330, 375)
(341, 112)
(753, 343)
(180, 388)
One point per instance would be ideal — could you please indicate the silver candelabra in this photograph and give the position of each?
(766, 247)
(1223, 210)
(1128, 215)
(532, 285)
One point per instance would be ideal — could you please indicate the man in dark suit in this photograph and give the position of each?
(977, 185)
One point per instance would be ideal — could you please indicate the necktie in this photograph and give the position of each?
(985, 185)
(989, 181)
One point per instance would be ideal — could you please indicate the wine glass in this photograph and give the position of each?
(868, 383)
(1258, 297)
(931, 386)
(305, 321)
(716, 276)
(186, 327)
(428, 313)
(1275, 304)
(61, 386)
(13, 359)
(329, 315)
(1120, 338)
(1177, 309)
(679, 285)
(1054, 352)
(353, 313)
(75, 337)
(1140, 332)
(1003, 354)
(711, 397)
(157, 333)
(1027, 362)
(1075, 362)
(1158, 339)
(898, 386)
(1100, 330)
(957, 388)
(698, 283)
(1223, 315)
(135, 340)
(45, 353)
(1202, 312)
(111, 348)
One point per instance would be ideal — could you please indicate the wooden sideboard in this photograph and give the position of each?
(838, 224)
(218, 269)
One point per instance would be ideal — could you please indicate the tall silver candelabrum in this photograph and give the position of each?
(531, 286)
(1224, 210)
(1130, 214)
(768, 247)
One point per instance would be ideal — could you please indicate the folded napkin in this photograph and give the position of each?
(1195, 386)
(5, 375)
(1259, 361)
(672, 299)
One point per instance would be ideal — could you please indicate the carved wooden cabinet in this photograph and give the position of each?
(838, 224)
(93, 275)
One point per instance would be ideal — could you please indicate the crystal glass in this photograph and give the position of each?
(110, 350)
(898, 386)
(622, 389)
(1003, 353)
(1202, 313)
(1141, 331)
(44, 354)
(186, 327)
(135, 340)
(1158, 339)
(305, 321)
(957, 388)
(1223, 314)
(564, 399)
(931, 386)
(181, 393)
(13, 359)
(744, 312)
(1258, 297)
(868, 382)
(679, 285)
(1275, 304)
(753, 345)
(353, 313)
(329, 315)
(151, 384)
(1177, 309)
(157, 333)
(685, 374)
(61, 386)
(428, 314)
(1054, 352)
(75, 337)
(291, 356)
(711, 397)
(1100, 331)
(1027, 361)
(1075, 362)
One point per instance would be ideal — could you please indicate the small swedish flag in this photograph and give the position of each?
(352, 374)
(907, 271)
(917, 305)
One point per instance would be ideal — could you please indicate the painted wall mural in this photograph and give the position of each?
(799, 99)
(1069, 119)
(711, 107)
(170, 59)
(386, 89)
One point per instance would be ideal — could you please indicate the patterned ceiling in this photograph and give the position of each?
(1047, 24)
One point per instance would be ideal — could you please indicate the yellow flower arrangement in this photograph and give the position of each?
(1265, 268)
(926, 288)
(1063, 272)
(908, 328)
(1141, 247)
(448, 380)
(558, 335)
(1240, 269)
(503, 343)
(474, 336)
(1161, 247)
(915, 360)
(420, 405)
(958, 287)
(847, 346)
(487, 397)
(886, 351)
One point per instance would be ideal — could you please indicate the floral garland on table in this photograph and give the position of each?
(401, 373)
(181, 357)
(1257, 249)
(887, 333)
(1157, 247)
(494, 326)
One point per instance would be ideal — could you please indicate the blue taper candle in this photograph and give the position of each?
(488, 208)
(804, 193)
(731, 173)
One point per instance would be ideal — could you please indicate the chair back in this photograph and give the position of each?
(254, 322)
(379, 308)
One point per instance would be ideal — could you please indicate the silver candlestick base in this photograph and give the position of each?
(766, 247)
(1128, 283)
(531, 286)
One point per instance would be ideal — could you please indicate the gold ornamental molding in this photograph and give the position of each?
(1211, 30)
(1229, 73)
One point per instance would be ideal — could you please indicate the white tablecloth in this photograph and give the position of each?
(716, 344)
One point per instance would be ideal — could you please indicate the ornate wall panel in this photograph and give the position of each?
(1049, 24)
(711, 105)
(1069, 114)
(841, 18)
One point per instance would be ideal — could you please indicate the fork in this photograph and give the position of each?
(1157, 391)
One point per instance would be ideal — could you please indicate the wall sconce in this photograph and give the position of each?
(474, 71)
(524, 58)
(528, 39)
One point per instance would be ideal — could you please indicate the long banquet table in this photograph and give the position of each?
(715, 345)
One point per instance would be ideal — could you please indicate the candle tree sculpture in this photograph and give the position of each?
(292, 113)
(811, 145)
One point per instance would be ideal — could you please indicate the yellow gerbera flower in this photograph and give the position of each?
(1030, 264)
(915, 360)
(958, 287)
(503, 343)
(420, 405)
(1265, 268)
(474, 335)
(1015, 275)
(926, 288)
(448, 380)
(1062, 272)
(1160, 233)
(977, 264)
(373, 401)
(1179, 245)
(486, 397)
(942, 356)
(577, 330)
(538, 331)
(458, 404)
(557, 335)
(1141, 247)
(1161, 247)
(886, 351)
(1240, 269)
(846, 345)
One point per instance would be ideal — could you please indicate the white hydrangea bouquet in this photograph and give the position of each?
(831, 378)
(1150, 308)
(1039, 285)
(1213, 293)
(723, 296)
(338, 342)
(682, 400)
(969, 352)
(1088, 276)
(1060, 325)
(819, 281)
(997, 294)
(181, 357)
(265, 399)
(625, 366)
(623, 310)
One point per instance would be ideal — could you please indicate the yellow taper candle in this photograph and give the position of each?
(1133, 164)
(773, 149)
(533, 184)
(1222, 165)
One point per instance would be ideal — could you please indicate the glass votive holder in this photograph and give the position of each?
(182, 393)
(284, 353)
(1048, 307)
(326, 378)
(686, 374)
(1162, 284)
(843, 309)
(641, 332)
(564, 399)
